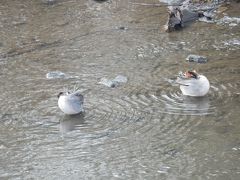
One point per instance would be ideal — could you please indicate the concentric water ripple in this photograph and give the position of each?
(112, 123)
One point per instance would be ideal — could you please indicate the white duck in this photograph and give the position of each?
(193, 84)
(70, 103)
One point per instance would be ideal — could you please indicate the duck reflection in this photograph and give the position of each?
(70, 123)
(196, 104)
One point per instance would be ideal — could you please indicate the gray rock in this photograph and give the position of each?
(108, 82)
(55, 75)
(120, 79)
(226, 20)
(113, 82)
(196, 58)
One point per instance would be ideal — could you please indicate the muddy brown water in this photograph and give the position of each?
(143, 129)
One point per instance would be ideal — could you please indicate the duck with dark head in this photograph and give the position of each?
(178, 17)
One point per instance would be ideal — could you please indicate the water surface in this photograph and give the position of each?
(142, 129)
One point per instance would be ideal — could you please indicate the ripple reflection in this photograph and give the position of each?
(70, 123)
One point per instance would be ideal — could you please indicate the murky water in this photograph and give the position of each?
(142, 129)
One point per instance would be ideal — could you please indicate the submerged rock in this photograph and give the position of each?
(113, 82)
(122, 28)
(196, 58)
(206, 20)
(55, 75)
(120, 79)
(108, 82)
(231, 21)
(232, 42)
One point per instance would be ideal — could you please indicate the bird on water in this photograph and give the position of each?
(70, 103)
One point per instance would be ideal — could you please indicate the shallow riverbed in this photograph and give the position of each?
(142, 129)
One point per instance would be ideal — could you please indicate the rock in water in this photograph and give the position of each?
(108, 83)
(120, 79)
(196, 58)
(55, 75)
(113, 82)
(226, 20)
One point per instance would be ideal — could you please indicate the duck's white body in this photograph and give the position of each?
(196, 87)
(71, 103)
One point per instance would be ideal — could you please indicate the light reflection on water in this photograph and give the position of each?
(142, 129)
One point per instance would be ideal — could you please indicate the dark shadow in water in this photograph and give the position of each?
(27, 49)
(70, 123)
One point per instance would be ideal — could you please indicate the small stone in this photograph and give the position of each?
(108, 83)
(196, 58)
(122, 28)
(55, 75)
(233, 24)
(112, 83)
(120, 79)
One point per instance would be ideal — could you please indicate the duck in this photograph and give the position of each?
(193, 84)
(70, 103)
(178, 17)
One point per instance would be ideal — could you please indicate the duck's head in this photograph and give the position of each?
(62, 94)
(191, 74)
